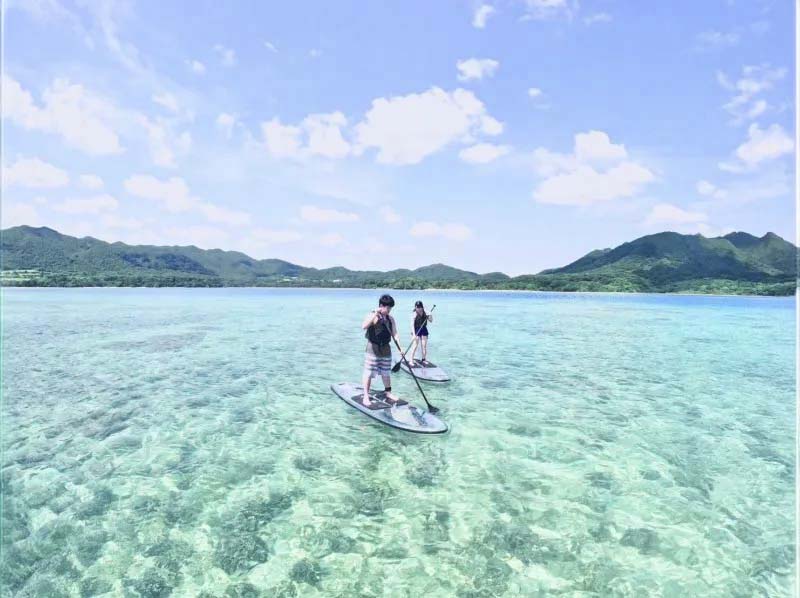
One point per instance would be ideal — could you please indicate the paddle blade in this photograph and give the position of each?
(432, 409)
(396, 367)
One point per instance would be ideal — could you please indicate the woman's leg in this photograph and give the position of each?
(424, 348)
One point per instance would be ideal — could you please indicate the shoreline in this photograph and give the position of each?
(428, 290)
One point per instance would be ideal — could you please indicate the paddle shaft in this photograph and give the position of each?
(397, 365)
(431, 408)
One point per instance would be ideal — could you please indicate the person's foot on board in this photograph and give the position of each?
(365, 400)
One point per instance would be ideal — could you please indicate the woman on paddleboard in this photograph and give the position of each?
(380, 329)
(419, 331)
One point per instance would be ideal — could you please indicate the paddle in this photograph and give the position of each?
(431, 408)
(396, 367)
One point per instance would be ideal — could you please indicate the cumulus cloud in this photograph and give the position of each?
(317, 135)
(88, 205)
(674, 218)
(476, 68)
(15, 213)
(270, 46)
(481, 15)
(320, 215)
(762, 145)
(91, 181)
(665, 213)
(534, 92)
(406, 129)
(597, 171)
(174, 195)
(451, 231)
(331, 240)
(710, 190)
(34, 173)
(84, 120)
(483, 153)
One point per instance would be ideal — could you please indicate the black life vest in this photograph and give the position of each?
(381, 333)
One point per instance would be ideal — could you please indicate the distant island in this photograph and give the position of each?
(668, 262)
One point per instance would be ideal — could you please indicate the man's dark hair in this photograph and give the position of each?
(386, 300)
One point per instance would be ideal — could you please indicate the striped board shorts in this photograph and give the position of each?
(378, 360)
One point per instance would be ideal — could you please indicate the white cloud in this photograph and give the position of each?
(91, 181)
(220, 215)
(325, 135)
(481, 15)
(586, 186)
(600, 17)
(316, 214)
(282, 141)
(164, 144)
(389, 215)
(317, 135)
(476, 68)
(81, 118)
(197, 67)
(270, 46)
(34, 173)
(17, 213)
(406, 129)
(596, 146)
(451, 231)
(315, 53)
(665, 213)
(590, 148)
(166, 99)
(551, 9)
(710, 40)
(534, 92)
(226, 55)
(710, 190)
(173, 194)
(667, 216)
(331, 240)
(762, 145)
(483, 153)
(755, 81)
(88, 205)
(226, 122)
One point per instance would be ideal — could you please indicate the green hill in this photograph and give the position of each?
(664, 262)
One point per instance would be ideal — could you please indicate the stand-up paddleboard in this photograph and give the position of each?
(402, 416)
(430, 372)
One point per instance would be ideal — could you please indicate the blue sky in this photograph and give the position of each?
(493, 136)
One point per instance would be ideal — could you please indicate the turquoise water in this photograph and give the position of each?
(159, 441)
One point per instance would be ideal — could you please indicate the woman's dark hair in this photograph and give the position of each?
(419, 304)
(386, 300)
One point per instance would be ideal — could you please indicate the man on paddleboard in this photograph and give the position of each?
(380, 329)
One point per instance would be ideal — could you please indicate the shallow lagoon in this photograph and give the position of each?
(186, 441)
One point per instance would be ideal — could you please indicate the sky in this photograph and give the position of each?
(507, 135)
